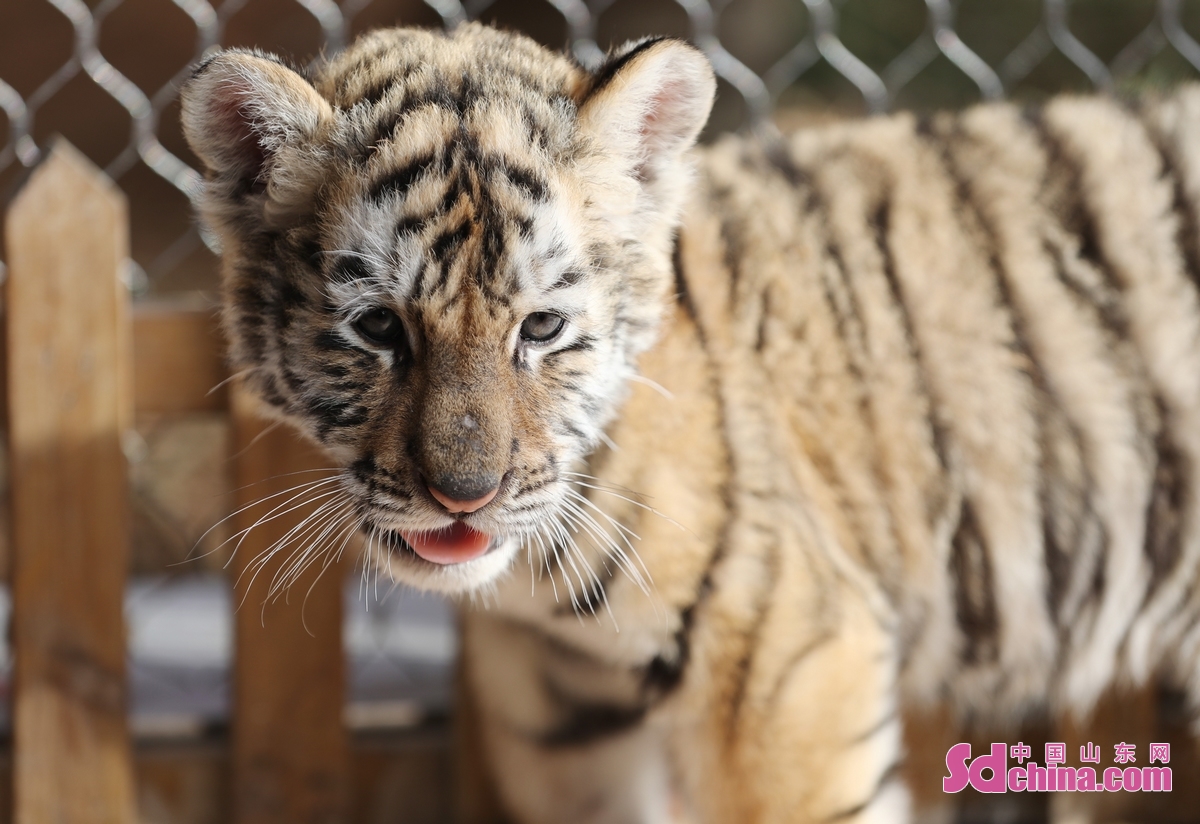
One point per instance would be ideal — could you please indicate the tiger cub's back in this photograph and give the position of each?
(983, 333)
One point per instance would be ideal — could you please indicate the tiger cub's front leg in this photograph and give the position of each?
(810, 736)
(567, 738)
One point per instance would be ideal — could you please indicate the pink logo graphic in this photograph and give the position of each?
(961, 775)
(991, 773)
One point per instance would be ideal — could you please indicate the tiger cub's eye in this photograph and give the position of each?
(380, 326)
(541, 327)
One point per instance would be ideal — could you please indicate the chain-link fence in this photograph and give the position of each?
(106, 73)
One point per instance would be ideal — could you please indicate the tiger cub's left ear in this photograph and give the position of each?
(649, 103)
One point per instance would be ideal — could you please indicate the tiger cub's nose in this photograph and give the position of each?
(465, 495)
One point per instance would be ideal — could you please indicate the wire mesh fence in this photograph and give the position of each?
(106, 73)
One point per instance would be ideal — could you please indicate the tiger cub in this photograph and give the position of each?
(892, 410)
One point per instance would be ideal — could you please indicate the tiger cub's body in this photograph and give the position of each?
(916, 411)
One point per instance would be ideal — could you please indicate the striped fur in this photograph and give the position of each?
(916, 409)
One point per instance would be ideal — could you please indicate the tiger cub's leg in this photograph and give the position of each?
(796, 728)
(800, 726)
(567, 738)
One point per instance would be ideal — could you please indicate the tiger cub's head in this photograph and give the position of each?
(442, 256)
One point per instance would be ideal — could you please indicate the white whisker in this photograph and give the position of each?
(291, 570)
(610, 544)
(655, 385)
(242, 534)
(299, 489)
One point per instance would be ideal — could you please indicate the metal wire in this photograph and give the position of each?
(820, 43)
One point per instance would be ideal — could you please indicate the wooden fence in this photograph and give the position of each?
(81, 362)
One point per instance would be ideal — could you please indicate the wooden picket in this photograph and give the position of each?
(290, 750)
(69, 404)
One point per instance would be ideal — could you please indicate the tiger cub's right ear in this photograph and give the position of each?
(242, 109)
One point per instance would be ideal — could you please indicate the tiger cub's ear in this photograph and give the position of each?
(648, 104)
(252, 121)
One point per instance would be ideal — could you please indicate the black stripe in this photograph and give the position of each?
(881, 224)
(609, 70)
(682, 293)
(1187, 222)
(589, 723)
(251, 335)
(336, 413)
(449, 239)
(1165, 509)
(664, 673)
(398, 181)
(779, 158)
(750, 641)
(527, 180)
(249, 294)
(289, 298)
(268, 388)
(584, 343)
(974, 590)
(377, 89)
(847, 316)
(764, 317)
(732, 240)
(533, 485)
(348, 268)
(457, 187)
(410, 224)
(568, 278)
(1066, 201)
(330, 341)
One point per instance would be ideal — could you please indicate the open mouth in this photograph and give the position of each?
(453, 544)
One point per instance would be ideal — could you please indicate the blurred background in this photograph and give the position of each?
(105, 75)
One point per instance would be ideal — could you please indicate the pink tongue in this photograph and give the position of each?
(452, 545)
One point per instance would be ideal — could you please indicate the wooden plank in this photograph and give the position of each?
(70, 401)
(178, 359)
(476, 798)
(290, 748)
